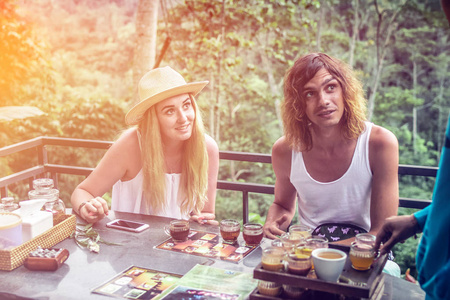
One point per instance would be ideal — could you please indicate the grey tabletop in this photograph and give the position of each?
(83, 270)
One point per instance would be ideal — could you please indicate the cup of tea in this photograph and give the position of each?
(365, 238)
(253, 234)
(300, 230)
(328, 263)
(312, 243)
(230, 230)
(291, 241)
(361, 255)
(273, 259)
(178, 230)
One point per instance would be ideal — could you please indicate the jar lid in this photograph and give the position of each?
(9, 220)
(49, 194)
(8, 201)
(43, 183)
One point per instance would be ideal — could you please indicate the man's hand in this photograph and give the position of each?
(272, 230)
(395, 229)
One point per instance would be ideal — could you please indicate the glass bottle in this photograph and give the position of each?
(8, 205)
(43, 189)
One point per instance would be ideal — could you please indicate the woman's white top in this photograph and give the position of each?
(345, 200)
(127, 196)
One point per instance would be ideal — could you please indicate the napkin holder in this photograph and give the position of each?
(34, 220)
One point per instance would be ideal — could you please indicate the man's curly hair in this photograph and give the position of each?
(295, 121)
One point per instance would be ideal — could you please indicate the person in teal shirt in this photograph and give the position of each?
(433, 253)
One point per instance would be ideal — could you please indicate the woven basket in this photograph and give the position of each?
(13, 258)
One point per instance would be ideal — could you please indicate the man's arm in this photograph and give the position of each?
(282, 209)
(383, 157)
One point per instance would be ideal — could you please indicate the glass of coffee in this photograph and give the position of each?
(230, 230)
(178, 230)
(299, 264)
(253, 234)
(273, 259)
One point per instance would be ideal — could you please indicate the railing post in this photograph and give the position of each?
(43, 160)
(245, 206)
(4, 192)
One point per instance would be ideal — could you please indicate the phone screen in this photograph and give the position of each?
(127, 224)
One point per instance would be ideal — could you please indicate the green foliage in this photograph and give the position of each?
(72, 60)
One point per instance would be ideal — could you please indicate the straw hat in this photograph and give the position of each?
(157, 85)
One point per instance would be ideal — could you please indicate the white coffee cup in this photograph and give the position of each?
(328, 263)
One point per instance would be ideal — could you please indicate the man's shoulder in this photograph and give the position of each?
(281, 150)
(382, 139)
(281, 145)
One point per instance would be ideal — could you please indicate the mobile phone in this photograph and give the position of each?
(127, 225)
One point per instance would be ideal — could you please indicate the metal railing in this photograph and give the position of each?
(44, 167)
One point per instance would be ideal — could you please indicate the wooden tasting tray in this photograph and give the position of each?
(15, 257)
(362, 284)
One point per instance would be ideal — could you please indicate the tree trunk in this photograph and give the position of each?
(319, 28)
(145, 51)
(354, 33)
(414, 108)
(381, 53)
(274, 89)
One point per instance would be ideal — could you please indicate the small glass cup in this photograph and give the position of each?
(311, 244)
(230, 230)
(290, 241)
(301, 230)
(253, 234)
(293, 292)
(272, 259)
(269, 288)
(361, 255)
(299, 264)
(178, 230)
(365, 238)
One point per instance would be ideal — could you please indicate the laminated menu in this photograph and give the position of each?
(208, 245)
(137, 283)
(205, 282)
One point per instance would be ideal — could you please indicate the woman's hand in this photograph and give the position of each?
(395, 229)
(205, 218)
(94, 210)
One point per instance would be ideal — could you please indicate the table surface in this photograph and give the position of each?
(84, 270)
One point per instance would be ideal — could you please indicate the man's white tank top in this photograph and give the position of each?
(127, 196)
(345, 200)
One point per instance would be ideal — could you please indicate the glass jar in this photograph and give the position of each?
(269, 288)
(43, 189)
(8, 205)
(300, 230)
(299, 264)
(273, 259)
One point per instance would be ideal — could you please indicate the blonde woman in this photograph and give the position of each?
(165, 165)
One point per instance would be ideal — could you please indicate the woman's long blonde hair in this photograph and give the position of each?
(295, 121)
(194, 174)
